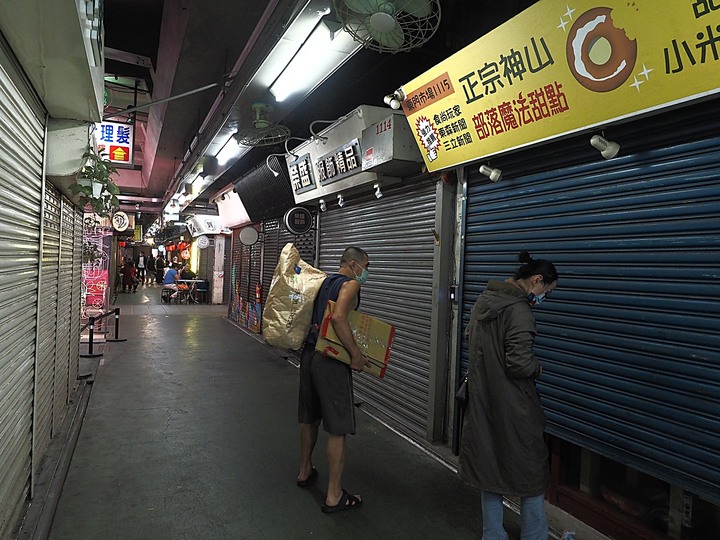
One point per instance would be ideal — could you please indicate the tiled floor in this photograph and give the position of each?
(191, 433)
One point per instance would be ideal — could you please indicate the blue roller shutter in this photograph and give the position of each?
(630, 340)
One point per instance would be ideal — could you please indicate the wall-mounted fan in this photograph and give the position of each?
(263, 132)
(389, 25)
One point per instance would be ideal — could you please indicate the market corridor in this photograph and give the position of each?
(191, 433)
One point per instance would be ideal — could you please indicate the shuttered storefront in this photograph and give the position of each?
(21, 153)
(48, 316)
(271, 252)
(64, 294)
(76, 307)
(275, 236)
(244, 308)
(630, 339)
(397, 233)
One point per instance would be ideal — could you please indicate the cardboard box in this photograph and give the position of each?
(373, 336)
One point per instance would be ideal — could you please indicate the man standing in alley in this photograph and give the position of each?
(326, 388)
(141, 264)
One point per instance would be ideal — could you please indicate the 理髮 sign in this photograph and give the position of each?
(115, 141)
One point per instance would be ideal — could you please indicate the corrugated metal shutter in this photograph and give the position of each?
(275, 237)
(48, 317)
(254, 315)
(305, 243)
(76, 306)
(397, 233)
(228, 269)
(65, 286)
(629, 341)
(271, 252)
(207, 264)
(235, 281)
(21, 154)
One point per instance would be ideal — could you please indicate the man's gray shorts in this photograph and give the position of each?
(326, 393)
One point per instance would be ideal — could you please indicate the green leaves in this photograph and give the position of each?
(94, 186)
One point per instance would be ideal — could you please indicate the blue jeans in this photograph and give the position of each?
(533, 522)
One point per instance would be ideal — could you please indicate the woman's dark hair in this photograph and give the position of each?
(533, 267)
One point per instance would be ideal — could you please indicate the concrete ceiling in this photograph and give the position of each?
(176, 46)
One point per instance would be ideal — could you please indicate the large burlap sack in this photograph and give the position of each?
(288, 310)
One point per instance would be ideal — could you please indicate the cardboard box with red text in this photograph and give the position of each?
(373, 336)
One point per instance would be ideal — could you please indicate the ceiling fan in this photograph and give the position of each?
(263, 132)
(389, 25)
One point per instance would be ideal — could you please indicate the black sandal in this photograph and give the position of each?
(346, 502)
(309, 480)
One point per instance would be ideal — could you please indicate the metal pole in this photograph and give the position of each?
(91, 338)
(117, 327)
(92, 333)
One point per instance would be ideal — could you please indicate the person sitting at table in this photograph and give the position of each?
(170, 280)
(186, 273)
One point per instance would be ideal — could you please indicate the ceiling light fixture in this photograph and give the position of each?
(493, 174)
(608, 149)
(378, 192)
(231, 150)
(325, 49)
(341, 200)
(323, 206)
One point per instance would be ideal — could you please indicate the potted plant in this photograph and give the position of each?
(94, 185)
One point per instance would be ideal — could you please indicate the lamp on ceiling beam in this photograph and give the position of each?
(325, 48)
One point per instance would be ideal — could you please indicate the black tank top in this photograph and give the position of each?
(329, 290)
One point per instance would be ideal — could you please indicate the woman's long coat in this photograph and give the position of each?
(503, 448)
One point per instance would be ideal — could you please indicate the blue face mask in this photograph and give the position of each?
(363, 277)
(534, 300)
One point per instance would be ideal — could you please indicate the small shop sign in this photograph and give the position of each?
(115, 141)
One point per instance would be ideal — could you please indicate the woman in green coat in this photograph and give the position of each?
(503, 449)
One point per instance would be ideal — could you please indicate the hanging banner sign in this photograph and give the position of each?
(115, 141)
(560, 67)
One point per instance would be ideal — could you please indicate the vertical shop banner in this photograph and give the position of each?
(561, 67)
(115, 141)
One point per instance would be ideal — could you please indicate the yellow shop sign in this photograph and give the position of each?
(560, 67)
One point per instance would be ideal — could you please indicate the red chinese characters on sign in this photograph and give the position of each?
(540, 104)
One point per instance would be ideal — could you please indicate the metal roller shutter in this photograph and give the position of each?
(397, 233)
(21, 153)
(65, 286)
(235, 281)
(275, 236)
(254, 315)
(629, 340)
(76, 305)
(48, 317)
(305, 243)
(271, 252)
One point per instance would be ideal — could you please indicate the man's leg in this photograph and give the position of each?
(308, 439)
(336, 465)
